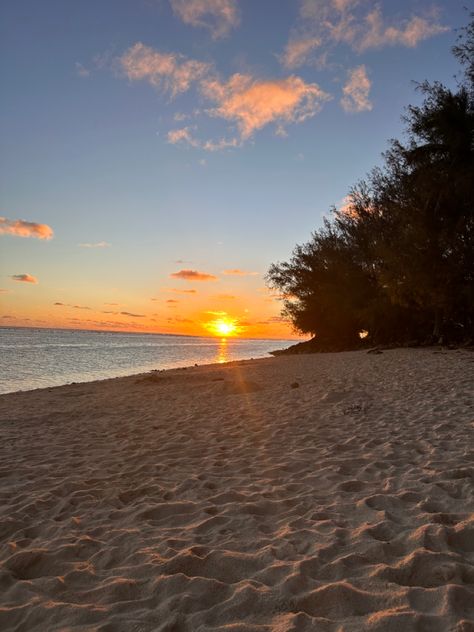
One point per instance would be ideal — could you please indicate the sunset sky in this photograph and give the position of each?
(159, 155)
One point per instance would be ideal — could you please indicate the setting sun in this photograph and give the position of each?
(222, 327)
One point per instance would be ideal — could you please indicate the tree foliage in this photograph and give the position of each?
(398, 260)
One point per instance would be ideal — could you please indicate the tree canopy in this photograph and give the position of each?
(398, 260)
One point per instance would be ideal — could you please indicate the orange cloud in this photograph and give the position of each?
(193, 275)
(356, 91)
(226, 297)
(253, 104)
(170, 72)
(132, 315)
(25, 278)
(237, 272)
(219, 16)
(182, 291)
(22, 228)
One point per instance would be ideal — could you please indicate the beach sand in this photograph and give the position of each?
(329, 492)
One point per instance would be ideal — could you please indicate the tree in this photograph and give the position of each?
(399, 259)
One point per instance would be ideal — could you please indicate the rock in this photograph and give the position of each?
(294, 385)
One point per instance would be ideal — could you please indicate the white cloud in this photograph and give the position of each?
(356, 91)
(219, 16)
(99, 244)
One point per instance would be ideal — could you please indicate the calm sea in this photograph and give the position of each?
(36, 358)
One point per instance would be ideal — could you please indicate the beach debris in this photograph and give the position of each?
(353, 409)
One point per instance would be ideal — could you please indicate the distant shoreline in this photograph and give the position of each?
(141, 333)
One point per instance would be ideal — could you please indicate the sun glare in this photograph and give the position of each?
(222, 327)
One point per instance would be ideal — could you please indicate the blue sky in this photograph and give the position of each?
(157, 136)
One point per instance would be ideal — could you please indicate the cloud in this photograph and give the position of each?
(25, 278)
(226, 297)
(237, 272)
(99, 244)
(185, 136)
(81, 70)
(22, 228)
(170, 72)
(132, 315)
(172, 301)
(178, 291)
(409, 33)
(252, 104)
(3, 290)
(356, 91)
(112, 304)
(182, 135)
(178, 319)
(359, 26)
(58, 304)
(193, 275)
(219, 16)
(298, 51)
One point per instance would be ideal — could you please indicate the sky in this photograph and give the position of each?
(159, 155)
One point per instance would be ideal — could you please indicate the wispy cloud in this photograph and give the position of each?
(226, 297)
(99, 244)
(170, 72)
(132, 315)
(238, 272)
(219, 16)
(24, 278)
(59, 304)
(182, 135)
(3, 290)
(299, 51)
(358, 24)
(252, 104)
(178, 319)
(81, 70)
(193, 275)
(356, 91)
(377, 34)
(22, 228)
(177, 291)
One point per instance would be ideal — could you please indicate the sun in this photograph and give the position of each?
(222, 327)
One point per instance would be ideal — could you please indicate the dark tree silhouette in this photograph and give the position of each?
(398, 261)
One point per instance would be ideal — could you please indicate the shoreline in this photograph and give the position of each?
(318, 491)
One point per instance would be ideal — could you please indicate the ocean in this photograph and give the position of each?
(38, 358)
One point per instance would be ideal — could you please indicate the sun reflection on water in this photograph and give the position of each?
(223, 351)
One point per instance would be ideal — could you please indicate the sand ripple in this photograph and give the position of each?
(223, 498)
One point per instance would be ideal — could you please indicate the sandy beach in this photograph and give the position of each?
(328, 492)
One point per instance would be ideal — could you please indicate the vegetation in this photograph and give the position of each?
(398, 260)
